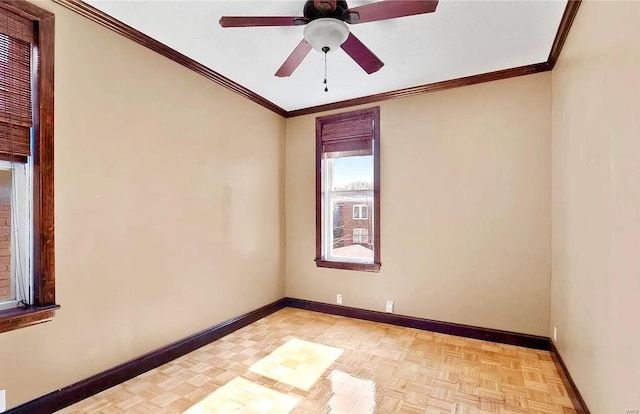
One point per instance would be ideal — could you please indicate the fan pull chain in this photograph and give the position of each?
(325, 50)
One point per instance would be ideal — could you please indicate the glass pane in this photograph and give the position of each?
(7, 291)
(349, 197)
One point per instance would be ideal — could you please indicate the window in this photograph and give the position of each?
(360, 212)
(27, 282)
(360, 236)
(15, 234)
(348, 190)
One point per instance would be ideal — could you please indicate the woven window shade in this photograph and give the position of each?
(348, 137)
(16, 36)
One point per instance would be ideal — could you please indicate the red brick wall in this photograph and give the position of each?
(348, 223)
(5, 251)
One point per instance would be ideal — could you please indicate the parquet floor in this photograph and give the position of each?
(306, 362)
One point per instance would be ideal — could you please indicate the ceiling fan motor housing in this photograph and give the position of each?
(335, 9)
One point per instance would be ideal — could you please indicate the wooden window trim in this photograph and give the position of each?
(320, 261)
(44, 305)
(362, 267)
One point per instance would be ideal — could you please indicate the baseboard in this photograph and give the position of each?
(67, 396)
(493, 335)
(64, 397)
(486, 334)
(578, 402)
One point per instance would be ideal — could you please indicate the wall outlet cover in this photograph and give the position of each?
(555, 334)
(3, 405)
(339, 299)
(389, 307)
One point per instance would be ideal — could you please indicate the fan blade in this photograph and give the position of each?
(389, 9)
(252, 21)
(361, 54)
(294, 59)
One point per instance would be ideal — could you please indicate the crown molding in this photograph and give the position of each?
(563, 31)
(429, 87)
(129, 32)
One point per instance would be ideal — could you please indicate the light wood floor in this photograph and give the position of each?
(306, 362)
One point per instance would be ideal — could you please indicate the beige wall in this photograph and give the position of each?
(465, 208)
(169, 210)
(596, 205)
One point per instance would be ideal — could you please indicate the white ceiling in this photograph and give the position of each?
(461, 38)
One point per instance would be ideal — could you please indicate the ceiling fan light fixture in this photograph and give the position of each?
(326, 33)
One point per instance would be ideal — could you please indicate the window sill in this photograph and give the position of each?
(13, 319)
(362, 267)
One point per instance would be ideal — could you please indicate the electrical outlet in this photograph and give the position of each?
(389, 307)
(3, 405)
(555, 334)
(339, 299)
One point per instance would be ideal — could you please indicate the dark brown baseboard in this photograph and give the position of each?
(67, 396)
(486, 334)
(493, 335)
(64, 397)
(576, 399)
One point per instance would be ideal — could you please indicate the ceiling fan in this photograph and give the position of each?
(326, 28)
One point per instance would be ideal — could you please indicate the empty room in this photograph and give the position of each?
(322, 206)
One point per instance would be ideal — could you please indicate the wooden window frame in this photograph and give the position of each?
(320, 261)
(44, 306)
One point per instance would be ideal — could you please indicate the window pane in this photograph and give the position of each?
(15, 234)
(360, 236)
(348, 197)
(7, 291)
